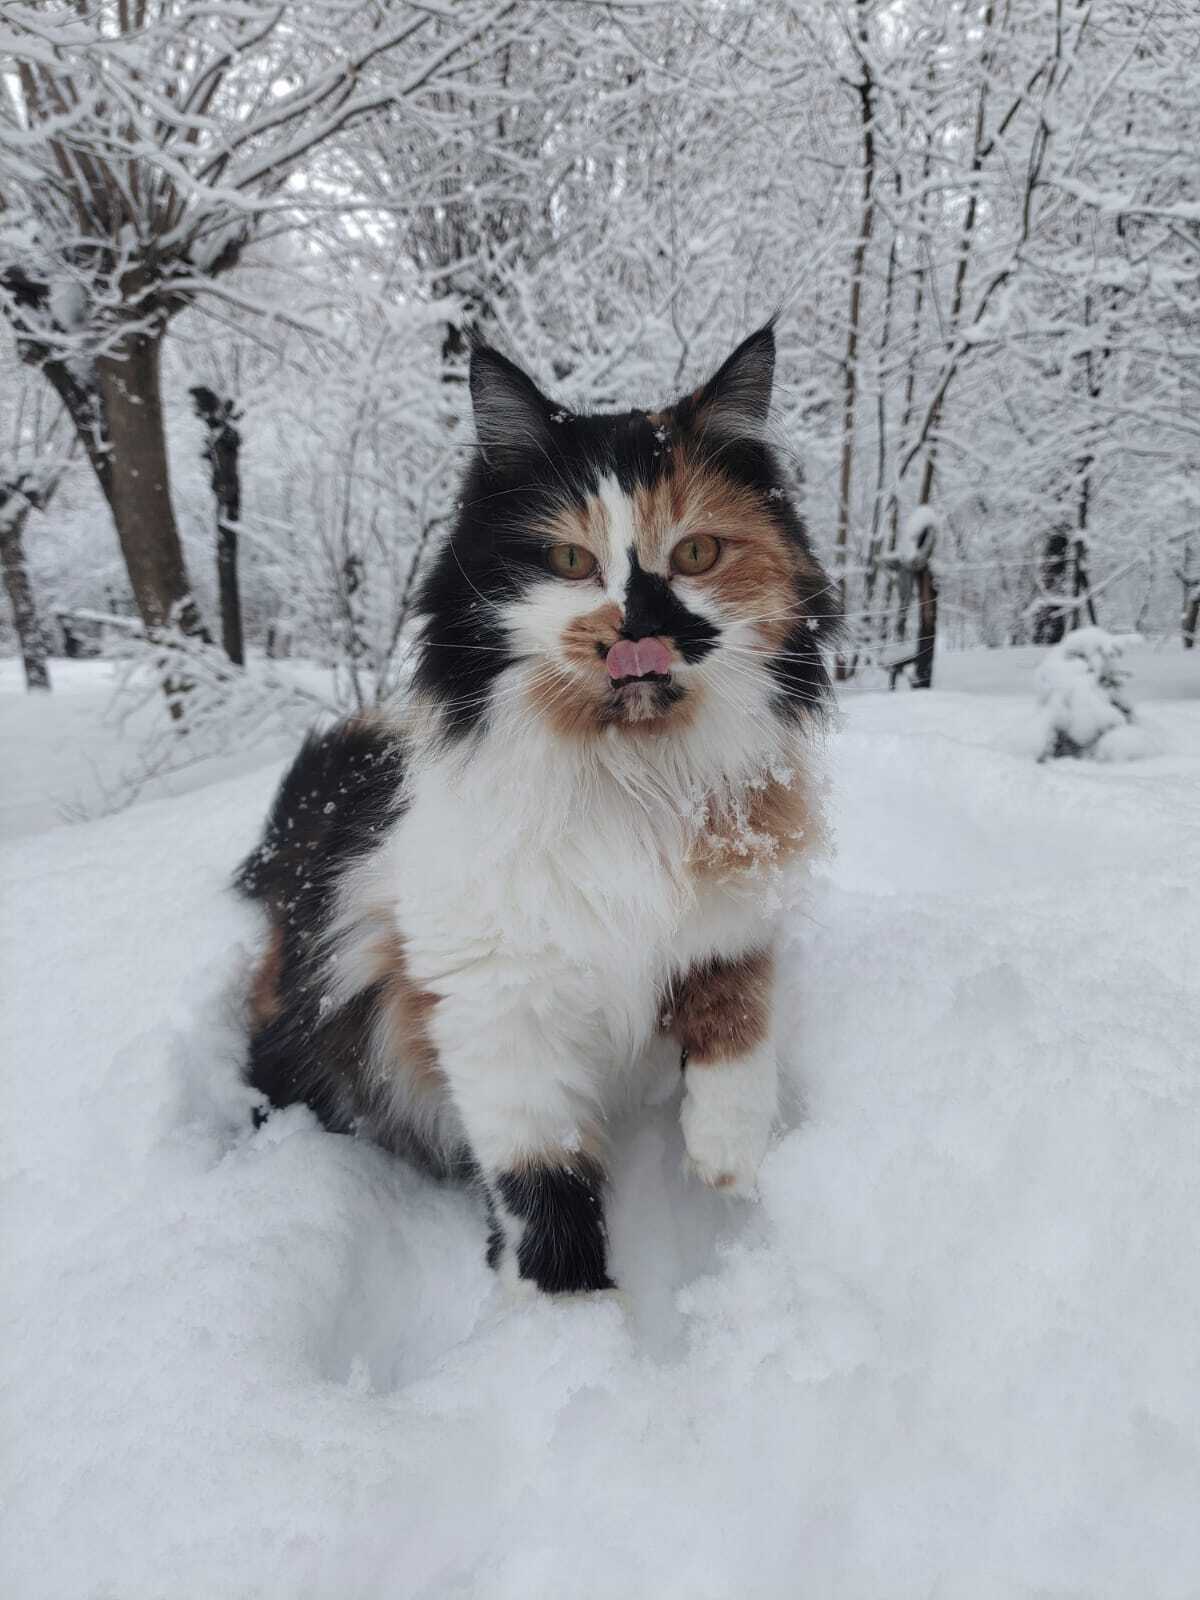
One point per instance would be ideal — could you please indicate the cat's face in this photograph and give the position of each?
(627, 575)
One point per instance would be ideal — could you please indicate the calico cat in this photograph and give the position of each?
(484, 911)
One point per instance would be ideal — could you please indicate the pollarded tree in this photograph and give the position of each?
(146, 144)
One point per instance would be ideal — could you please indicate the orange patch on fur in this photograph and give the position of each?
(766, 825)
(586, 640)
(721, 1009)
(264, 1000)
(570, 706)
(404, 1011)
(756, 575)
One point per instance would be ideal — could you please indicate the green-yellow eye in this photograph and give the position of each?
(695, 554)
(570, 561)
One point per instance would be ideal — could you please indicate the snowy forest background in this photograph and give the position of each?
(242, 246)
(951, 1350)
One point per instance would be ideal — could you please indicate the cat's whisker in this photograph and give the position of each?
(750, 674)
(744, 652)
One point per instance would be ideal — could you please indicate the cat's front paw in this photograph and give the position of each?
(725, 1142)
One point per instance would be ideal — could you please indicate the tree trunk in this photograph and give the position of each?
(221, 452)
(1082, 582)
(140, 486)
(227, 580)
(910, 380)
(866, 101)
(873, 624)
(927, 599)
(1191, 616)
(1083, 514)
(81, 402)
(1050, 620)
(13, 512)
(117, 412)
(927, 591)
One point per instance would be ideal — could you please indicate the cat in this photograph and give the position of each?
(485, 909)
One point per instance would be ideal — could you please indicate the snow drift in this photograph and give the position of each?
(952, 1350)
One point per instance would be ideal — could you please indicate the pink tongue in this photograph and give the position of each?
(636, 658)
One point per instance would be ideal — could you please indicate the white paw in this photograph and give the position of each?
(726, 1140)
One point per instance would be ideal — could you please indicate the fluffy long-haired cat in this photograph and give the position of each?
(486, 910)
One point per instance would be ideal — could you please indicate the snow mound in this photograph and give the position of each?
(952, 1350)
(1083, 707)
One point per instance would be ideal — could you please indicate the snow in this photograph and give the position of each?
(1082, 698)
(82, 753)
(918, 522)
(951, 1351)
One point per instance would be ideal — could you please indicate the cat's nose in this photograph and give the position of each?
(638, 658)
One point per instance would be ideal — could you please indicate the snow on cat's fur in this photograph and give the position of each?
(551, 870)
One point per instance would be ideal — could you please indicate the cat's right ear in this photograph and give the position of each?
(512, 415)
(736, 400)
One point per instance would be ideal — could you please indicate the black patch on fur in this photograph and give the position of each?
(316, 1056)
(564, 1245)
(312, 1056)
(799, 671)
(487, 560)
(800, 668)
(337, 800)
(495, 1238)
(652, 607)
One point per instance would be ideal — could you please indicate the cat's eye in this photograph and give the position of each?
(570, 561)
(695, 554)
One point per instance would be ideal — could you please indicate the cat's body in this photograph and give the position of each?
(488, 915)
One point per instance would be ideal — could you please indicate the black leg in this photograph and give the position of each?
(554, 1216)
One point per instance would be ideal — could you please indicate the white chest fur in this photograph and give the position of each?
(530, 876)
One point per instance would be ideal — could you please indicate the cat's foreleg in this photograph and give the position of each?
(721, 1016)
(526, 1104)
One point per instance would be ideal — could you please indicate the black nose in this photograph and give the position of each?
(652, 610)
(648, 603)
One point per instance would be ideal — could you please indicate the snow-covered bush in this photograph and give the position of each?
(226, 711)
(1083, 707)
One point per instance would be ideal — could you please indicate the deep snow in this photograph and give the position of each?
(953, 1351)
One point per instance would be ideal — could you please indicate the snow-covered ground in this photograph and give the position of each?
(952, 1352)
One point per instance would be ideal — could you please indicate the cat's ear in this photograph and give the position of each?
(512, 415)
(736, 400)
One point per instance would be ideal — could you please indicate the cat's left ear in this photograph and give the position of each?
(736, 400)
(512, 415)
